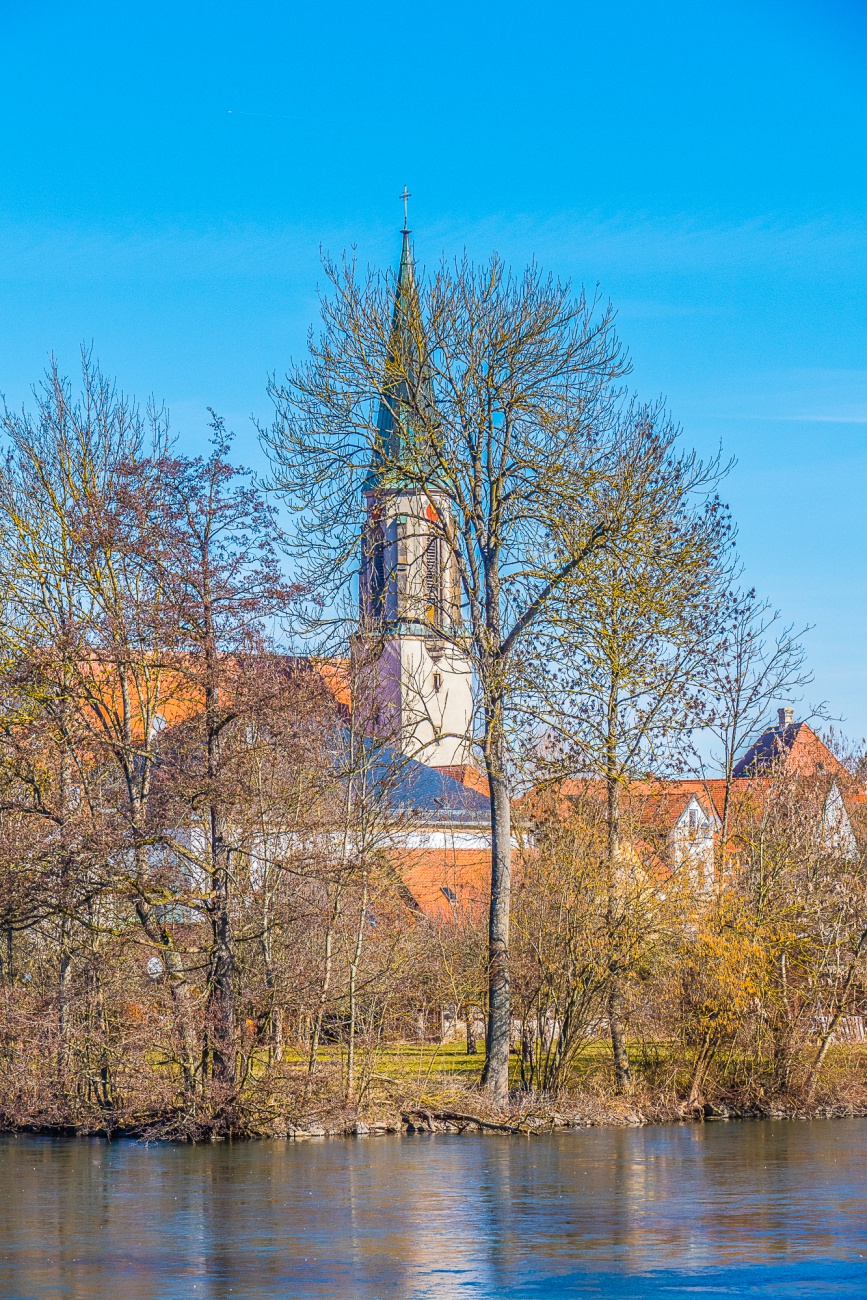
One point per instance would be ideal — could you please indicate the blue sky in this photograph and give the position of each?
(168, 173)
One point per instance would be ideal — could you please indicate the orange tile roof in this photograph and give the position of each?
(444, 880)
(659, 802)
(335, 673)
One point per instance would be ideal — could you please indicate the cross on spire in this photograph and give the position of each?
(406, 196)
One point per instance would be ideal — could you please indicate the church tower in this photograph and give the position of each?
(419, 680)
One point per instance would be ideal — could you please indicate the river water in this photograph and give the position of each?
(726, 1209)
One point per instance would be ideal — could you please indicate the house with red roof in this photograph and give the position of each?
(672, 825)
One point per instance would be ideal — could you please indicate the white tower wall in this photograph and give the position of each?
(418, 677)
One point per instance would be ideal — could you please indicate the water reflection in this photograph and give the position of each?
(769, 1208)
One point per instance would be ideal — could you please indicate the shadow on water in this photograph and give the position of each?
(766, 1209)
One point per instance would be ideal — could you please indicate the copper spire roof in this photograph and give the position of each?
(403, 376)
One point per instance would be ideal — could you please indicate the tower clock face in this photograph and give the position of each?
(432, 514)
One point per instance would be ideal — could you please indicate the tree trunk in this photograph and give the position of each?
(325, 988)
(222, 998)
(622, 1072)
(819, 1059)
(722, 846)
(527, 1072)
(495, 1076)
(700, 1069)
(472, 1046)
(64, 983)
(221, 993)
(353, 985)
(273, 1018)
(7, 969)
(64, 973)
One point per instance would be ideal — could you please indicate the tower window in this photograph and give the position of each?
(437, 682)
(432, 580)
(377, 572)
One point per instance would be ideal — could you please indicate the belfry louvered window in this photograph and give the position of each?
(432, 580)
(377, 573)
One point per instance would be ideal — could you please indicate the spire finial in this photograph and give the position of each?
(406, 196)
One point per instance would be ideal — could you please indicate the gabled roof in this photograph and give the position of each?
(797, 747)
(663, 803)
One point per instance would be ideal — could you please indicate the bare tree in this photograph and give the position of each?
(60, 514)
(221, 578)
(504, 392)
(629, 658)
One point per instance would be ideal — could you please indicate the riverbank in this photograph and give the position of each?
(416, 1090)
(465, 1116)
(544, 1119)
(465, 1110)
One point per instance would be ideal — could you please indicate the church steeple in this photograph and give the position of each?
(390, 424)
(403, 365)
(420, 683)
